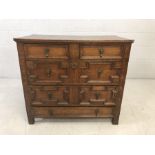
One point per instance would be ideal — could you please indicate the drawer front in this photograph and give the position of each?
(48, 72)
(100, 52)
(47, 51)
(99, 72)
(79, 72)
(104, 96)
(98, 95)
(49, 96)
(72, 112)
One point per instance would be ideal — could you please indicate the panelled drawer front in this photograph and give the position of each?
(47, 51)
(98, 95)
(100, 72)
(48, 72)
(72, 112)
(74, 95)
(100, 52)
(49, 96)
(62, 72)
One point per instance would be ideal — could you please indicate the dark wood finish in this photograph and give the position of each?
(46, 51)
(54, 72)
(100, 52)
(47, 112)
(73, 76)
(83, 95)
(71, 38)
(100, 72)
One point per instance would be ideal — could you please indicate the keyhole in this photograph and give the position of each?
(101, 51)
(48, 71)
(97, 95)
(49, 95)
(46, 52)
(99, 72)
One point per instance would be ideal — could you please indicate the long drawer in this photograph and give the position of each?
(61, 51)
(73, 95)
(74, 72)
(72, 112)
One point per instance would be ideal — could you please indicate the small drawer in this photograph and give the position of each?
(72, 112)
(47, 51)
(100, 72)
(49, 95)
(100, 52)
(48, 72)
(98, 95)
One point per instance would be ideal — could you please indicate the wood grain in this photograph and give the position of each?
(73, 76)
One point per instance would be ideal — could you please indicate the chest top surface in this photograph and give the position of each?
(72, 38)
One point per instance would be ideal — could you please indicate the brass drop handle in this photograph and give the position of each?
(33, 94)
(46, 52)
(74, 65)
(82, 95)
(82, 92)
(96, 112)
(32, 77)
(99, 72)
(101, 52)
(49, 72)
(114, 93)
(50, 112)
(49, 94)
(66, 94)
(97, 95)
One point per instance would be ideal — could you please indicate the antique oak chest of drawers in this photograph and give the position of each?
(73, 76)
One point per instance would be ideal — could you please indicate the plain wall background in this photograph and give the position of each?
(142, 60)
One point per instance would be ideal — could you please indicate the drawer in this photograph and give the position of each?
(49, 95)
(72, 112)
(46, 51)
(104, 96)
(98, 95)
(48, 72)
(100, 72)
(100, 52)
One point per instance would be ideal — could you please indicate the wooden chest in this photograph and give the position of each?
(73, 76)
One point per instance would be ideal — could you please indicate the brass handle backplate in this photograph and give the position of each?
(32, 77)
(114, 93)
(33, 94)
(50, 95)
(50, 112)
(74, 65)
(46, 52)
(96, 112)
(101, 52)
(99, 72)
(97, 95)
(49, 72)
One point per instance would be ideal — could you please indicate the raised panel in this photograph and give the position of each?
(99, 72)
(49, 95)
(47, 51)
(98, 95)
(100, 52)
(49, 72)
